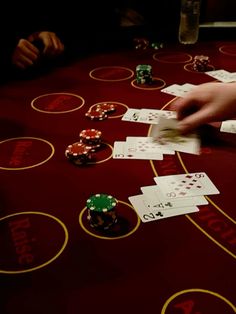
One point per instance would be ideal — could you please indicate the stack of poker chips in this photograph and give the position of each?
(201, 63)
(78, 153)
(141, 43)
(91, 138)
(101, 211)
(144, 74)
(100, 111)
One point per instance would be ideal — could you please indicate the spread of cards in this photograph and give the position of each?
(172, 195)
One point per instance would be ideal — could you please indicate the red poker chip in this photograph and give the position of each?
(107, 107)
(96, 114)
(90, 134)
(77, 150)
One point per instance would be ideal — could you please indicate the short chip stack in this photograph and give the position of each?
(144, 74)
(106, 107)
(96, 114)
(91, 138)
(78, 153)
(201, 63)
(100, 111)
(141, 43)
(101, 211)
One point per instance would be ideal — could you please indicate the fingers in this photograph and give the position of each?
(185, 106)
(25, 54)
(194, 120)
(52, 44)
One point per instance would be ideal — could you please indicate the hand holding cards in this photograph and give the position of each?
(164, 139)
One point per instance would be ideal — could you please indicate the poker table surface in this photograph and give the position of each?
(52, 260)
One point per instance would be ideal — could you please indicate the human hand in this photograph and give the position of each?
(209, 102)
(25, 54)
(52, 45)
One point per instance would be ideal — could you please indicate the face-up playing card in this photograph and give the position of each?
(228, 126)
(186, 185)
(221, 75)
(146, 144)
(147, 215)
(166, 133)
(120, 151)
(154, 199)
(178, 90)
(131, 115)
(174, 90)
(151, 116)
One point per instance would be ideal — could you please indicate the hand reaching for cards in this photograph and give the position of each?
(209, 102)
(27, 54)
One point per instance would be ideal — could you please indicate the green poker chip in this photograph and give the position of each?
(101, 203)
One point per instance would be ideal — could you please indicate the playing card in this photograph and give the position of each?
(221, 75)
(151, 116)
(131, 115)
(120, 151)
(146, 144)
(154, 199)
(147, 215)
(228, 126)
(174, 90)
(166, 133)
(185, 185)
(178, 90)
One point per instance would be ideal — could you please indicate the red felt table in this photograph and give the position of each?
(51, 260)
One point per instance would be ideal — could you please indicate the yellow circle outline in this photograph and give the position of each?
(162, 53)
(111, 80)
(115, 102)
(35, 165)
(103, 160)
(163, 311)
(50, 260)
(57, 112)
(146, 88)
(109, 238)
(227, 53)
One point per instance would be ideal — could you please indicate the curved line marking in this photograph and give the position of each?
(35, 165)
(163, 311)
(50, 260)
(109, 238)
(111, 80)
(213, 204)
(57, 112)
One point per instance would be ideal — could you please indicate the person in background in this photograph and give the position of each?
(206, 103)
(54, 31)
(30, 50)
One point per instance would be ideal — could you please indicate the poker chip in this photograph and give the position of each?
(106, 107)
(101, 211)
(96, 114)
(201, 63)
(90, 134)
(141, 43)
(144, 74)
(101, 202)
(91, 138)
(157, 45)
(78, 153)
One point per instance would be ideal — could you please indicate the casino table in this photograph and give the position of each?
(52, 260)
